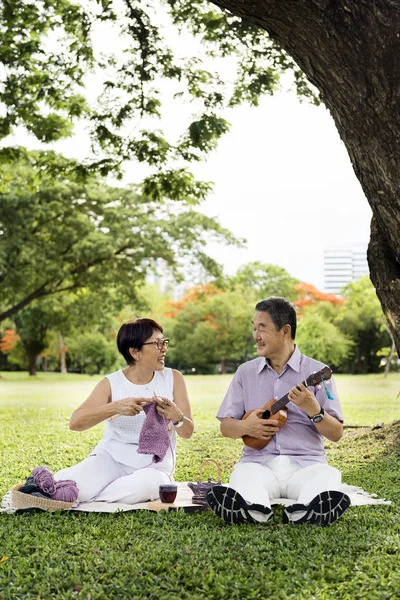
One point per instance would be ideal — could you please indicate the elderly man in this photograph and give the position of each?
(293, 463)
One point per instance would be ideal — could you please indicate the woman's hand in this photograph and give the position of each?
(130, 406)
(168, 409)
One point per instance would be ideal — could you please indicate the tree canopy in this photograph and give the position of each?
(348, 51)
(210, 327)
(361, 319)
(61, 233)
(257, 280)
(49, 48)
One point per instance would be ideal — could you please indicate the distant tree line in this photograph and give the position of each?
(209, 328)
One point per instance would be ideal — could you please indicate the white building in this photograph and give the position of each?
(343, 265)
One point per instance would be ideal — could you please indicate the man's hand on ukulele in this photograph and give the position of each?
(304, 399)
(260, 428)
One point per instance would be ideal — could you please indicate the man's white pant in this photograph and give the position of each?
(282, 477)
(101, 478)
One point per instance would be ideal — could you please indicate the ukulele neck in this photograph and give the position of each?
(282, 401)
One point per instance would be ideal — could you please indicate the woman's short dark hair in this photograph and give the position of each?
(281, 312)
(133, 334)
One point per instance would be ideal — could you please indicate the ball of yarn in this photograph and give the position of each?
(66, 490)
(44, 479)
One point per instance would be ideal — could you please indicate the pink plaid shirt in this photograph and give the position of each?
(255, 382)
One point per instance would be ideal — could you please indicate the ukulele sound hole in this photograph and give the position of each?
(266, 414)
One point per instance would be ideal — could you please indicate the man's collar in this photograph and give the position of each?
(262, 363)
(293, 362)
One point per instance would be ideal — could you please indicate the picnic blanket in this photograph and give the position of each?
(358, 497)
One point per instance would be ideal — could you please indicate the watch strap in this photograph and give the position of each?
(179, 423)
(321, 412)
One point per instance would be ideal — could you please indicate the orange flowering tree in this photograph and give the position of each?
(209, 327)
(8, 340)
(317, 334)
(347, 333)
(309, 295)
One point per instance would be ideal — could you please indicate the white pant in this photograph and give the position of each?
(282, 477)
(101, 478)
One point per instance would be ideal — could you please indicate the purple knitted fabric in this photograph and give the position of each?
(154, 438)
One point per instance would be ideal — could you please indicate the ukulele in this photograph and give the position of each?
(275, 409)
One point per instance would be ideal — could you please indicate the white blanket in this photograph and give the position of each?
(357, 495)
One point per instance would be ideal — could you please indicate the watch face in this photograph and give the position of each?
(317, 418)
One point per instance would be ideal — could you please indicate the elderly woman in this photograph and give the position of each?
(116, 470)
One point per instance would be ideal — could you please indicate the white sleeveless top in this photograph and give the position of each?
(121, 434)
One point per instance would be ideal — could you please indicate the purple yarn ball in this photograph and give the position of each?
(66, 490)
(44, 480)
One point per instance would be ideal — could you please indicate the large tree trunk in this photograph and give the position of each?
(32, 358)
(350, 50)
(31, 355)
(32, 351)
(389, 360)
(385, 275)
(63, 354)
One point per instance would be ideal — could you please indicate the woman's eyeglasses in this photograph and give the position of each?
(161, 344)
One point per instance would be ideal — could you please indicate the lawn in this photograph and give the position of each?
(145, 555)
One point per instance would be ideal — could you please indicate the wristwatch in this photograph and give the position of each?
(318, 417)
(179, 423)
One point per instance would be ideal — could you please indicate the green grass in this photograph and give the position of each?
(143, 555)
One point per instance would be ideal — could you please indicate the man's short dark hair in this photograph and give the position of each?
(133, 334)
(281, 312)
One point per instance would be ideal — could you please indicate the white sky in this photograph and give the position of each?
(284, 181)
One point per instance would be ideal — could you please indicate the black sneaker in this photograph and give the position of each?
(323, 510)
(230, 506)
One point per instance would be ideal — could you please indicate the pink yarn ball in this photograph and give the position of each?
(44, 479)
(66, 490)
